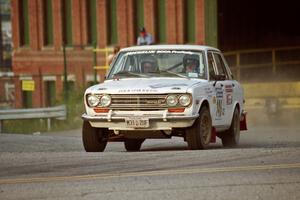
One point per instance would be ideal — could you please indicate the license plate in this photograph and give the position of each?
(137, 122)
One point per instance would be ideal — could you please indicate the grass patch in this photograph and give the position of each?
(24, 126)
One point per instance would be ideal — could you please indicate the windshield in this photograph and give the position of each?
(159, 63)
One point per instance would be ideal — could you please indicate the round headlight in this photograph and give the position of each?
(92, 100)
(184, 100)
(105, 101)
(172, 100)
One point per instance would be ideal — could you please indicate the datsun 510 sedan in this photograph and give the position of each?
(160, 91)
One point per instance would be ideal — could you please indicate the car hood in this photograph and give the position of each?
(145, 85)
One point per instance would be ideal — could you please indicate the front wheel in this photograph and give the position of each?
(231, 137)
(198, 136)
(94, 139)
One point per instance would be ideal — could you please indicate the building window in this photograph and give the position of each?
(67, 22)
(112, 22)
(50, 93)
(27, 99)
(161, 21)
(48, 23)
(91, 22)
(23, 23)
(190, 21)
(71, 86)
(139, 9)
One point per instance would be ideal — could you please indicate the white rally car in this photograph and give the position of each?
(162, 91)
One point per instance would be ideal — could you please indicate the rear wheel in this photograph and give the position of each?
(133, 144)
(231, 137)
(94, 139)
(198, 136)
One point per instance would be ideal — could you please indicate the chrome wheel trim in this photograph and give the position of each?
(205, 129)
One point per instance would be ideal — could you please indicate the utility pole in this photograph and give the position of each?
(95, 62)
(65, 74)
(63, 29)
(1, 39)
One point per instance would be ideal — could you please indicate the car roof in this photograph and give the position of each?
(170, 47)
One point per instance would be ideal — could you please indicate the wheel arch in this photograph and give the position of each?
(204, 102)
(237, 105)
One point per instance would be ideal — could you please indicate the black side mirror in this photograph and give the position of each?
(219, 77)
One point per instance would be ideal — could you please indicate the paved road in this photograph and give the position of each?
(54, 166)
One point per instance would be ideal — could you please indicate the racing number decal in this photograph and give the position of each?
(229, 99)
(219, 108)
(228, 90)
(219, 95)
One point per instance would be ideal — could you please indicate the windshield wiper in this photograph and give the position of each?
(127, 73)
(174, 73)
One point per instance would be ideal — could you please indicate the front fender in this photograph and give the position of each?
(204, 101)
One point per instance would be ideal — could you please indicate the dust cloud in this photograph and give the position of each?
(286, 117)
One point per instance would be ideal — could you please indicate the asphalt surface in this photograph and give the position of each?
(266, 165)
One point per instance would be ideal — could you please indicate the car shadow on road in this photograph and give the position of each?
(176, 147)
(218, 146)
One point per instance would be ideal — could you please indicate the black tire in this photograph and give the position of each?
(231, 137)
(198, 136)
(94, 139)
(133, 144)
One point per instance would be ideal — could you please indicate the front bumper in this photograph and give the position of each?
(156, 122)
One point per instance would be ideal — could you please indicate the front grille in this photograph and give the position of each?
(139, 102)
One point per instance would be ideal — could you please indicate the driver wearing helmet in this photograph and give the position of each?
(191, 64)
(149, 64)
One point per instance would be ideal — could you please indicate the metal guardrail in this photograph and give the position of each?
(260, 65)
(58, 112)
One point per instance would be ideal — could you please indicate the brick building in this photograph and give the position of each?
(41, 27)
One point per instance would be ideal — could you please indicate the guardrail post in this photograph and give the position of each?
(1, 125)
(48, 124)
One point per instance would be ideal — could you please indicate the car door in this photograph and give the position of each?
(227, 87)
(217, 108)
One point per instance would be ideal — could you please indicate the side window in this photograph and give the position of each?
(130, 64)
(211, 66)
(220, 65)
(118, 65)
(230, 76)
